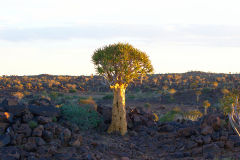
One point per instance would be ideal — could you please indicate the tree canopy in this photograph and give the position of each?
(121, 63)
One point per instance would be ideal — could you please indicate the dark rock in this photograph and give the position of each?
(10, 101)
(30, 146)
(4, 140)
(220, 144)
(207, 139)
(76, 140)
(191, 145)
(207, 130)
(48, 111)
(40, 102)
(197, 151)
(215, 136)
(8, 153)
(47, 136)
(198, 140)
(23, 129)
(17, 139)
(186, 132)
(27, 116)
(37, 132)
(213, 120)
(16, 110)
(40, 141)
(211, 148)
(166, 128)
(65, 136)
(229, 145)
(44, 120)
(3, 127)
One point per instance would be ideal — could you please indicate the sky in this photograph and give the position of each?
(59, 36)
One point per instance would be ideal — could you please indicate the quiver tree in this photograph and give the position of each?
(120, 64)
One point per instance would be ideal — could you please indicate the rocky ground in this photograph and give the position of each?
(54, 138)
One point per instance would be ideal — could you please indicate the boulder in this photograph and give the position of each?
(16, 110)
(37, 132)
(213, 120)
(44, 120)
(207, 130)
(47, 111)
(4, 140)
(76, 140)
(186, 132)
(65, 136)
(211, 148)
(166, 128)
(23, 129)
(3, 127)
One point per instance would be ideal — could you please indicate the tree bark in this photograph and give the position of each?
(119, 121)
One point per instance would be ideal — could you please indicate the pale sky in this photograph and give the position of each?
(60, 36)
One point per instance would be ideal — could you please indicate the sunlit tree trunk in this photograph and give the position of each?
(119, 121)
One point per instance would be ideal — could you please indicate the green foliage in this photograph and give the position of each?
(121, 63)
(108, 97)
(54, 119)
(228, 101)
(32, 124)
(72, 91)
(147, 105)
(83, 116)
(169, 116)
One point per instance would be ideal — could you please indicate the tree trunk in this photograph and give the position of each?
(119, 121)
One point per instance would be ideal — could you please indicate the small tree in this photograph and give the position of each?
(120, 64)
(206, 105)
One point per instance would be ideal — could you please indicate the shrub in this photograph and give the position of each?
(108, 97)
(83, 116)
(193, 115)
(169, 116)
(32, 124)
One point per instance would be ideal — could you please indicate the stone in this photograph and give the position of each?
(30, 146)
(197, 151)
(23, 129)
(16, 110)
(229, 145)
(191, 144)
(8, 153)
(47, 136)
(215, 136)
(3, 127)
(27, 116)
(4, 140)
(48, 111)
(166, 128)
(40, 141)
(37, 132)
(213, 120)
(186, 132)
(211, 148)
(76, 140)
(65, 136)
(198, 140)
(207, 130)
(44, 120)
(207, 139)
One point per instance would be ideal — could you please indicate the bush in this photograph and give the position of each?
(108, 97)
(169, 116)
(32, 124)
(83, 116)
